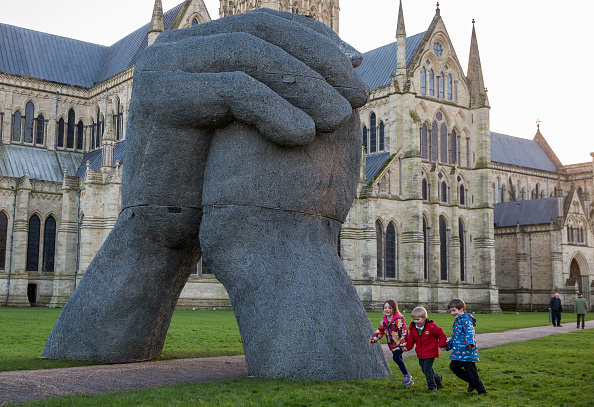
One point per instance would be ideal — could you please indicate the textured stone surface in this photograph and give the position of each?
(263, 138)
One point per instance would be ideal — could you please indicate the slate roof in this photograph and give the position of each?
(378, 64)
(42, 164)
(96, 157)
(373, 164)
(64, 60)
(530, 212)
(518, 151)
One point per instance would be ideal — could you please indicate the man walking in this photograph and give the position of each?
(581, 307)
(556, 310)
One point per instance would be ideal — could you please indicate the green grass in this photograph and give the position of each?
(192, 334)
(551, 371)
(23, 332)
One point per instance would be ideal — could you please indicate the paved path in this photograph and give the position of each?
(27, 385)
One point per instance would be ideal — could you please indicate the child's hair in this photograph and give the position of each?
(394, 305)
(458, 304)
(419, 312)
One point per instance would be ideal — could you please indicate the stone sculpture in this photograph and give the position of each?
(242, 143)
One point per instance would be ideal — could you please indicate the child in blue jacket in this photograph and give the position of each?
(463, 346)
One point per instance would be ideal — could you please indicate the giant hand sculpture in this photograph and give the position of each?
(242, 130)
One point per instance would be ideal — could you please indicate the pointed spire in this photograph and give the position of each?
(157, 22)
(437, 12)
(400, 29)
(478, 93)
(400, 50)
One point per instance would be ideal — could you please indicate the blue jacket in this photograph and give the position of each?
(462, 338)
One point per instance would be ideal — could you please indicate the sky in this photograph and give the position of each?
(532, 52)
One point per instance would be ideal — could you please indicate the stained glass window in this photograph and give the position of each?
(424, 146)
(390, 251)
(71, 126)
(462, 250)
(40, 130)
(431, 83)
(434, 141)
(373, 134)
(365, 139)
(33, 244)
(80, 133)
(49, 244)
(444, 143)
(29, 122)
(61, 132)
(449, 87)
(453, 147)
(423, 80)
(381, 136)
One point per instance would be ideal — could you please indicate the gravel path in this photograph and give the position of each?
(29, 385)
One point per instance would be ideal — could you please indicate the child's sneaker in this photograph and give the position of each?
(408, 381)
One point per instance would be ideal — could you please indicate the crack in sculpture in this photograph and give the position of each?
(261, 172)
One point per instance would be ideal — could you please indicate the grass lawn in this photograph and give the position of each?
(23, 332)
(551, 371)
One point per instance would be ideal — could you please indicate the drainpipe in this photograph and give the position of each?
(11, 244)
(77, 261)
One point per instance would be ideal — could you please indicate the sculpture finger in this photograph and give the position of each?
(214, 100)
(355, 56)
(316, 50)
(267, 63)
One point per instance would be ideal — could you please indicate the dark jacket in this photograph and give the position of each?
(555, 304)
(428, 343)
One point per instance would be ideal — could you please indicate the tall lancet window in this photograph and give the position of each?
(373, 134)
(431, 83)
(382, 141)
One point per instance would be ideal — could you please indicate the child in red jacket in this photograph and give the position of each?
(427, 337)
(393, 326)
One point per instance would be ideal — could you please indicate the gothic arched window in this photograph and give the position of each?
(365, 139)
(424, 146)
(444, 143)
(80, 133)
(33, 244)
(434, 146)
(382, 144)
(16, 126)
(453, 147)
(61, 132)
(29, 122)
(49, 244)
(380, 244)
(431, 83)
(449, 87)
(40, 130)
(372, 134)
(391, 251)
(423, 80)
(461, 236)
(462, 199)
(443, 249)
(440, 85)
(71, 126)
(3, 239)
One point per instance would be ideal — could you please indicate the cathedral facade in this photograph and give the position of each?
(444, 208)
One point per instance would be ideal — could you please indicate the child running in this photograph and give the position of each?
(463, 346)
(394, 326)
(427, 337)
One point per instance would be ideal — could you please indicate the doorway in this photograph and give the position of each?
(32, 294)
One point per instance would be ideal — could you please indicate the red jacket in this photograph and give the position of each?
(429, 342)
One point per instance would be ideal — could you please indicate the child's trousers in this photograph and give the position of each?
(433, 379)
(467, 371)
(397, 356)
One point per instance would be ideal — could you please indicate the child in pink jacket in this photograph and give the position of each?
(394, 327)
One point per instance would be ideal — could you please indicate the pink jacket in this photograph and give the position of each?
(395, 330)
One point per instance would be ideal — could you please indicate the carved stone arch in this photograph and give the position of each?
(381, 221)
(581, 271)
